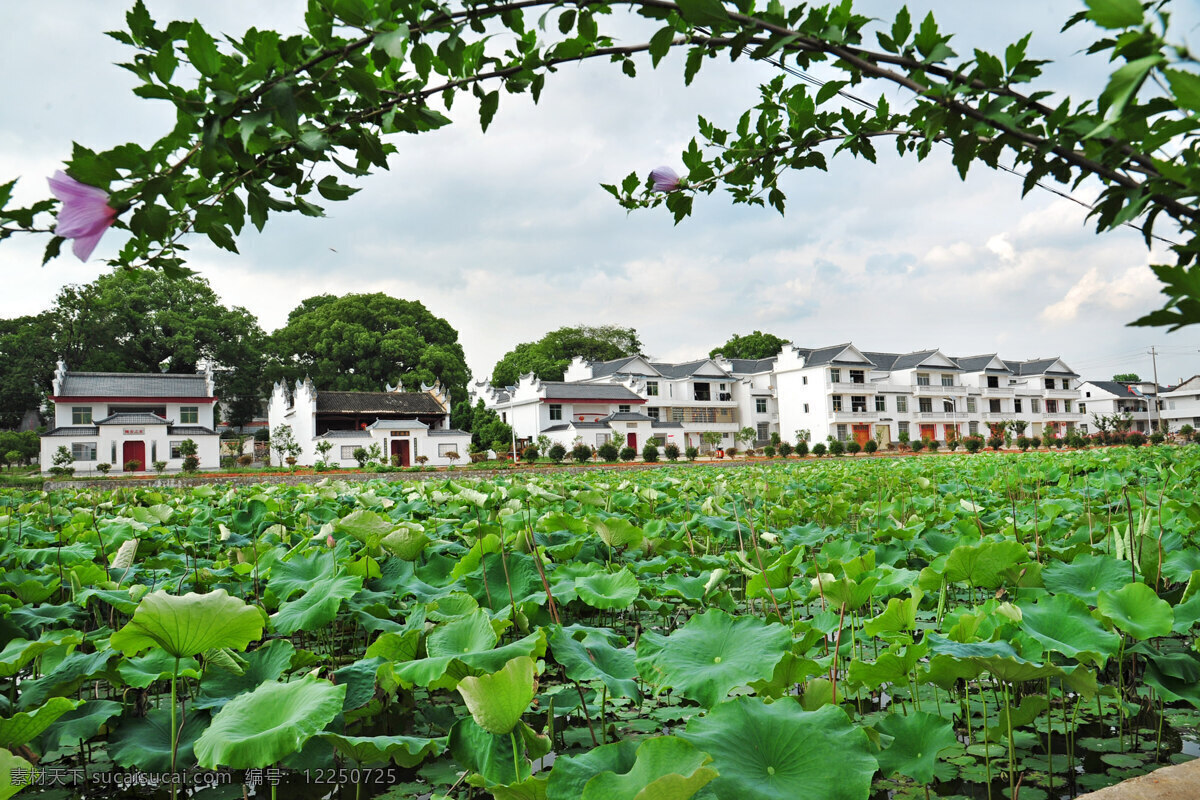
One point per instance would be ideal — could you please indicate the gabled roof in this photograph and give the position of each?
(133, 418)
(74, 430)
(448, 432)
(883, 361)
(1121, 388)
(981, 363)
(1039, 366)
(378, 403)
(344, 435)
(190, 430)
(626, 416)
(751, 365)
(914, 360)
(630, 365)
(686, 369)
(133, 384)
(564, 390)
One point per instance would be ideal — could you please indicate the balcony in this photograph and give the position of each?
(998, 416)
(1069, 394)
(937, 390)
(997, 391)
(940, 415)
(850, 387)
(853, 416)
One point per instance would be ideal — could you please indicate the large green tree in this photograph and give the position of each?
(149, 321)
(549, 357)
(754, 345)
(265, 121)
(363, 342)
(27, 359)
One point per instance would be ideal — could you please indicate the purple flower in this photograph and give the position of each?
(85, 214)
(665, 180)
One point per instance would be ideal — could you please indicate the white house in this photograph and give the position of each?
(1126, 398)
(405, 425)
(1181, 405)
(130, 419)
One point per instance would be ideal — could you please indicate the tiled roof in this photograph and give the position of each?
(563, 390)
(378, 403)
(910, 360)
(344, 435)
(449, 432)
(131, 384)
(751, 365)
(77, 430)
(1037, 366)
(132, 418)
(1121, 388)
(190, 430)
(823, 355)
(657, 424)
(684, 370)
(555, 428)
(589, 425)
(602, 369)
(975, 363)
(627, 416)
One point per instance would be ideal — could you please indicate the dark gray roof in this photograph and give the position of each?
(882, 360)
(563, 390)
(911, 360)
(815, 357)
(588, 425)
(627, 416)
(133, 418)
(554, 428)
(1037, 366)
(133, 384)
(978, 363)
(684, 370)
(1121, 388)
(449, 432)
(77, 430)
(345, 435)
(190, 430)
(747, 366)
(602, 369)
(657, 424)
(378, 403)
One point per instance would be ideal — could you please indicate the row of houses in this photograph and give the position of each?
(840, 391)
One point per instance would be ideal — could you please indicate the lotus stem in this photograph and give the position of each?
(174, 729)
(512, 736)
(1012, 766)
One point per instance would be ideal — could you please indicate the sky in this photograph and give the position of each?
(508, 235)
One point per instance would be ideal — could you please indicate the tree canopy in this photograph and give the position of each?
(549, 357)
(754, 345)
(1128, 377)
(364, 342)
(26, 365)
(267, 123)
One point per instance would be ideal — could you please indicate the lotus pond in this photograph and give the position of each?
(987, 626)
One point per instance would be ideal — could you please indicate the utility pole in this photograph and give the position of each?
(1157, 410)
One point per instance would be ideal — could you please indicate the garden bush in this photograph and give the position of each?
(769, 451)
(933, 444)
(609, 451)
(973, 444)
(871, 446)
(104, 467)
(818, 449)
(245, 460)
(917, 445)
(996, 442)
(1135, 438)
(1157, 438)
(836, 447)
(581, 453)
(557, 453)
(1035, 442)
(628, 453)
(671, 451)
(853, 447)
(530, 454)
(802, 449)
(1023, 443)
(691, 453)
(650, 453)
(785, 449)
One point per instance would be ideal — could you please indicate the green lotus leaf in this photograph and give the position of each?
(190, 624)
(1174, 676)
(359, 680)
(982, 565)
(404, 751)
(665, 768)
(472, 633)
(712, 654)
(491, 756)
(532, 788)
(617, 531)
(592, 658)
(26, 726)
(19, 652)
(299, 572)
(273, 721)
(941, 645)
(10, 784)
(608, 590)
(1137, 610)
(899, 615)
(917, 740)
(318, 606)
(498, 700)
(406, 542)
(267, 663)
(1086, 576)
(570, 774)
(367, 527)
(1065, 624)
(780, 752)
(145, 743)
(79, 725)
(66, 677)
(157, 665)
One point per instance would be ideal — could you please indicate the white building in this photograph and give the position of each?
(405, 425)
(133, 419)
(1181, 405)
(1132, 399)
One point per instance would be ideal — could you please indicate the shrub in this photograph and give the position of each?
(801, 449)
(422, 460)
(1157, 438)
(1135, 439)
(1187, 431)
(557, 453)
(690, 453)
(628, 453)
(262, 435)
(671, 451)
(395, 460)
(245, 460)
(836, 447)
(1059, 442)
(730, 452)
(973, 444)
(932, 444)
(161, 466)
(996, 442)
(954, 444)
(609, 451)
(785, 449)
(581, 452)
(818, 449)
(323, 447)
(1023, 443)
(104, 467)
(769, 451)
(360, 455)
(1035, 442)
(917, 445)
(452, 456)
(650, 452)
(871, 446)
(132, 465)
(776, 439)
(853, 447)
(530, 454)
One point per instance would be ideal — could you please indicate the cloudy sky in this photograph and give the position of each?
(508, 234)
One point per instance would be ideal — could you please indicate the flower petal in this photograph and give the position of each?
(67, 189)
(665, 179)
(84, 245)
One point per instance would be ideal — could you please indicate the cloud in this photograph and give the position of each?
(1131, 290)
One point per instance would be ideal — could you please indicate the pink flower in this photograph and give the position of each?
(665, 180)
(330, 541)
(85, 214)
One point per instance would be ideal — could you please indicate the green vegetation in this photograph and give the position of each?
(549, 357)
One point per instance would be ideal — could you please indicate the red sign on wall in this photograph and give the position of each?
(134, 431)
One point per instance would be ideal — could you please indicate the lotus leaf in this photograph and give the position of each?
(157, 665)
(145, 743)
(918, 737)
(79, 724)
(1086, 576)
(665, 768)
(403, 751)
(273, 721)
(190, 624)
(608, 590)
(491, 755)
(26, 726)
(1137, 610)
(591, 657)
(1064, 624)
(497, 701)
(318, 606)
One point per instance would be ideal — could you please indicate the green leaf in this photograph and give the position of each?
(593, 658)
(498, 700)
(1086, 576)
(189, 625)
(779, 752)
(80, 724)
(202, 51)
(266, 663)
(571, 774)
(318, 606)
(608, 590)
(1064, 624)
(156, 665)
(22, 728)
(145, 743)
(492, 755)
(1138, 611)
(273, 721)
(394, 43)
(918, 737)
(1186, 88)
(664, 768)
(9, 785)
(1114, 13)
(19, 652)
(660, 44)
(983, 565)
(403, 751)
(712, 654)
(703, 12)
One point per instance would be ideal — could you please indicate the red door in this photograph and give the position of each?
(400, 448)
(631, 440)
(862, 433)
(929, 432)
(951, 432)
(134, 451)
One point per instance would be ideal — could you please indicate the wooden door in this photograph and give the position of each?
(951, 432)
(862, 433)
(400, 448)
(929, 431)
(134, 451)
(631, 440)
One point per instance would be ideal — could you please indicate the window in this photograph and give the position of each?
(83, 451)
(806, 408)
(880, 402)
(973, 428)
(841, 433)
(804, 380)
(994, 406)
(947, 380)
(922, 379)
(1067, 406)
(555, 411)
(504, 416)
(676, 415)
(175, 450)
(760, 405)
(858, 376)
(902, 428)
(1083, 408)
(970, 405)
(189, 415)
(81, 415)
(858, 402)
(1017, 405)
(901, 404)
(1087, 394)
(602, 439)
(1049, 382)
(925, 404)
(652, 413)
(835, 376)
(837, 402)
(1083, 428)
(993, 382)
(443, 449)
(1035, 405)
(1066, 383)
(1051, 406)
(700, 391)
(622, 409)
(764, 431)
(652, 388)
(348, 451)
